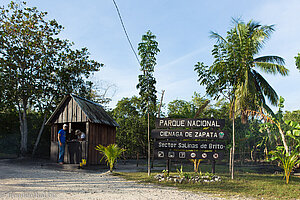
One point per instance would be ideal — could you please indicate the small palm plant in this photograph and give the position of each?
(111, 153)
(286, 160)
(196, 164)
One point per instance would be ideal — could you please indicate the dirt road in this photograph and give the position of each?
(19, 181)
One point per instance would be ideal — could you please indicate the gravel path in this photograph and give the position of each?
(39, 182)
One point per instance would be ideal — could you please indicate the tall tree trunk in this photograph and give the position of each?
(283, 140)
(39, 135)
(23, 128)
(233, 141)
(230, 155)
(149, 149)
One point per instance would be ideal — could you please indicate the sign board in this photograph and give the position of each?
(178, 155)
(189, 145)
(189, 123)
(188, 134)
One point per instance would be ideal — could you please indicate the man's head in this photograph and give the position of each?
(65, 127)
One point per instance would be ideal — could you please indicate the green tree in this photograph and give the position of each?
(298, 61)
(181, 109)
(35, 65)
(233, 73)
(276, 120)
(148, 49)
(131, 133)
(188, 109)
(292, 115)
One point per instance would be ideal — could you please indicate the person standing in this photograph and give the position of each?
(62, 143)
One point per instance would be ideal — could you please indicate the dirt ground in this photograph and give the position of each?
(38, 180)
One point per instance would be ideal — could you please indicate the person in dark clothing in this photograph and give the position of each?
(62, 143)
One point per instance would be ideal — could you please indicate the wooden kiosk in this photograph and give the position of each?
(88, 117)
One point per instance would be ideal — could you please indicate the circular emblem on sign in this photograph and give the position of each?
(221, 134)
(204, 155)
(215, 155)
(193, 155)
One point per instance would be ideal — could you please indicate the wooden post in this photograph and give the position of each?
(152, 163)
(233, 143)
(158, 115)
(213, 166)
(87, 146)
(230, 154)
(168, 165)
(149, 149)
(137, 159)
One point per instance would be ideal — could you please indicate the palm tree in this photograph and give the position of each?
(235, 58)
(243, 43)
(111, 153)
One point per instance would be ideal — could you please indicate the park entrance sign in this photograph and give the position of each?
(188, 134)
(189, 138)
(180, 155)
(189, 123)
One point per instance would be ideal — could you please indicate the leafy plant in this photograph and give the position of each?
(187, 175)
(165, 173)
(180, 172)
(287, 161)
(111, 153)
(294, 133)
(196, 164)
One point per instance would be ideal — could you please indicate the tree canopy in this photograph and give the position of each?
(298, 61)
(148, 49)
(36, 66)
(234, 70)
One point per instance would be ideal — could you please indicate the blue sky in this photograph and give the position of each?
(182, 29)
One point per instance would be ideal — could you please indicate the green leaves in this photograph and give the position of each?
(148, 49)
(297, 62)
(233, 71)
(286, 160)
(36, 63)
(36, 66)
(111, 153)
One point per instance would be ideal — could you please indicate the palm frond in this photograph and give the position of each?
(265, 88)
(236, 21)
(111, 153)
(218, 37)
(272, 68)
(259, 35)
(270, 59)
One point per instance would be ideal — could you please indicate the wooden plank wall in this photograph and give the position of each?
(70, 112)
(99, 134)
(54, 152)
(54, 144)
(54, 132)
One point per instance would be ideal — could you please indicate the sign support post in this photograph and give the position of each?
(149, 153)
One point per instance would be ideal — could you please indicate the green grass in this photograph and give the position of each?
(266, 186)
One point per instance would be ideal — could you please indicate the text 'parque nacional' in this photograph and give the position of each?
(189, 123)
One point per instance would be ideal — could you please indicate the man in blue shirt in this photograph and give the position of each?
(61, 143)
